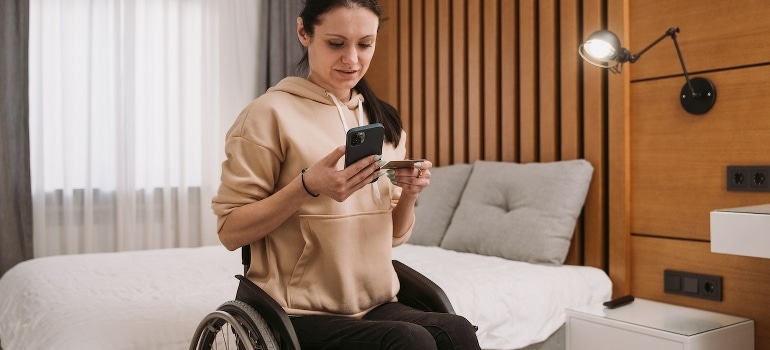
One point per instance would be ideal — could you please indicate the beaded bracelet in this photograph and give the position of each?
(303, 184)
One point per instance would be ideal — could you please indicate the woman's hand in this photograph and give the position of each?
(251, 222)
(324, 178)
(411, 180)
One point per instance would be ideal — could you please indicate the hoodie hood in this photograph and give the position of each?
(305, 88)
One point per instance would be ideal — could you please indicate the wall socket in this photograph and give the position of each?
(693, 284)
(748, 178)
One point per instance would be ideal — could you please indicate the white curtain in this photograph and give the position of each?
(129, 104)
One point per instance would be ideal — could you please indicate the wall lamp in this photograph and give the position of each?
(602, 49)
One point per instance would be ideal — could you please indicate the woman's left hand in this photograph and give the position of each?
(412, 180)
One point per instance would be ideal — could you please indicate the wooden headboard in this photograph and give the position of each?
(500, 81)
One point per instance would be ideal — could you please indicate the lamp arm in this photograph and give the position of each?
(671, 32)
(684, 69)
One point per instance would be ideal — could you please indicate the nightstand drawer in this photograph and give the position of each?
(585, 335)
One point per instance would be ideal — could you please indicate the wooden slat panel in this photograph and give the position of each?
(569, 83)
(713, 35)
(528, 113)
(417, 106)
(474, 91)
(491, 134)
(570, 116)
(445, 84)
(405, 65)
(431, 79)
(679, 160)
(744, 290)
(509, 76)
(547, 80)
(594, 140)
(619, 166)
(459, 82)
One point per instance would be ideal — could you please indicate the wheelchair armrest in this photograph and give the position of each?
(273, 313)
(420, 292)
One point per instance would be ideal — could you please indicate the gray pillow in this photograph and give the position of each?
(524, 212)
(436, 204)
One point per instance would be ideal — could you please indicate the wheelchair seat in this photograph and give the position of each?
(259, 322)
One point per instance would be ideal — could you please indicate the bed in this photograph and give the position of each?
(154, 299)
(492, 235)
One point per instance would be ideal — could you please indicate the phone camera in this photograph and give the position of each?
(357, 138)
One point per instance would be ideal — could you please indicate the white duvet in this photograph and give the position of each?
(513, 303)
(150, 299)
(154, 299)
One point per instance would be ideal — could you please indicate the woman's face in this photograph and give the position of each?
(341, 48)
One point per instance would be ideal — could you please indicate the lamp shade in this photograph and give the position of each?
(602, 49)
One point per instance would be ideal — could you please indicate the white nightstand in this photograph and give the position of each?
(645, 324)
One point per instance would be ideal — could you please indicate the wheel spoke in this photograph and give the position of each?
(235, 324)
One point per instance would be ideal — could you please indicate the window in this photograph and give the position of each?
(128, 115)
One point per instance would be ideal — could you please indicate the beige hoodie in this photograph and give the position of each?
(328, 257)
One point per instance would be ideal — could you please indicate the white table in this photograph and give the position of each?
(645, 324)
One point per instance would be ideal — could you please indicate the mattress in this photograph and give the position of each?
(154, 299)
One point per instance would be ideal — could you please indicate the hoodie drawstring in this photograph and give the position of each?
(341, 112)
(338, 103)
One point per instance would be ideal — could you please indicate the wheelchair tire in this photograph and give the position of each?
(235, 325)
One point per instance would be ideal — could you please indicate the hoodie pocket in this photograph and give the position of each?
(345, 266)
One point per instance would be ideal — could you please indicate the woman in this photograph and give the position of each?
(320, 234)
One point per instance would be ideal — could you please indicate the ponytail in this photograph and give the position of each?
(380, 111)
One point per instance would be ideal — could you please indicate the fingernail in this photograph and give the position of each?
(391, 171)
(382, 173)
(381, 164)
(394, 182)
(391, 177)
(378, 157)
(418, 164)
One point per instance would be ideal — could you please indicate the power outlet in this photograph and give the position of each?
(748, 178)
(693, 284)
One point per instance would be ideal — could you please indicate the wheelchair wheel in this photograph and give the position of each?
(235, 325)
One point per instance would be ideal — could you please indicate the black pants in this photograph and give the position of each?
(390, 326)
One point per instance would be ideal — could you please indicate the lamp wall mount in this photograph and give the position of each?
(698, 95)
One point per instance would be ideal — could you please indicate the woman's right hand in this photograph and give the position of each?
(324, 178)
(251, 222)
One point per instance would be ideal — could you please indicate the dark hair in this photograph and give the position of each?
(378, 110)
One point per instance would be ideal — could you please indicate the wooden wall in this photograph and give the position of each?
(500, 80)
(678, 161)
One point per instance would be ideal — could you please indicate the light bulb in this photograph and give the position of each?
(599, 49)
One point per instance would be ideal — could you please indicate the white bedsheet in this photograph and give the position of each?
(514, 304)
(154, 299)
(149, 299)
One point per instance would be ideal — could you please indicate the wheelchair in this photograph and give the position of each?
(254, 321)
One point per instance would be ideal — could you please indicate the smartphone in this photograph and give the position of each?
(406, 163)
(363, 141)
